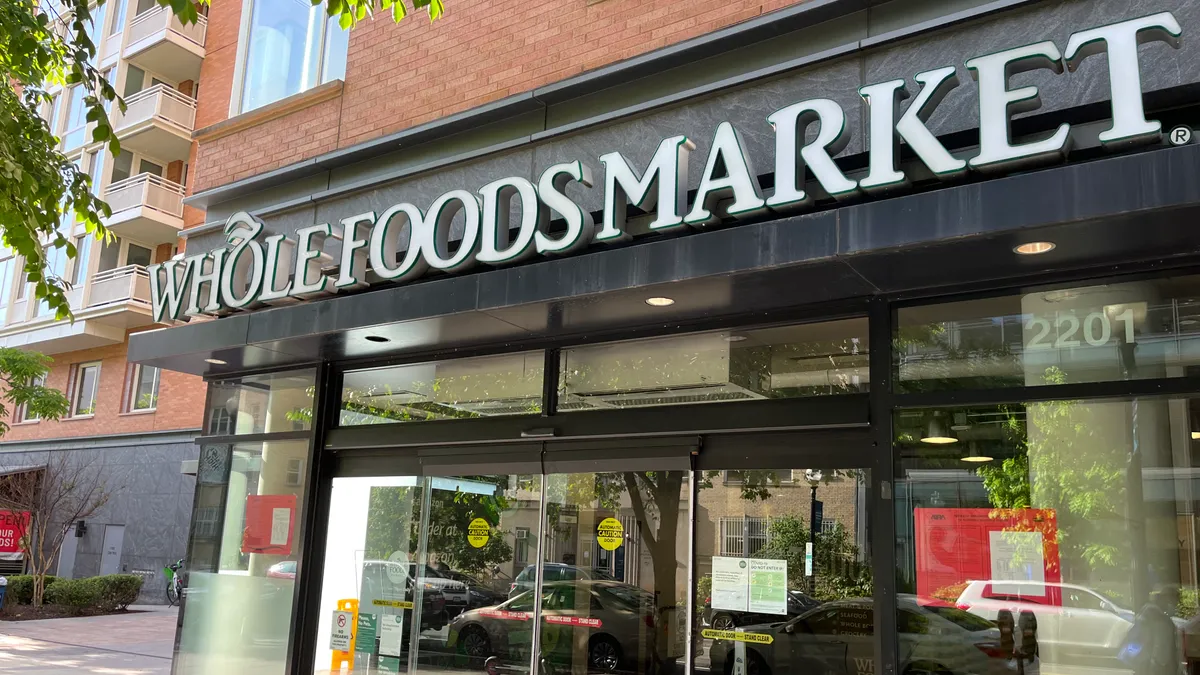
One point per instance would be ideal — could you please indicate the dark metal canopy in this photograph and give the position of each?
(1102, 214)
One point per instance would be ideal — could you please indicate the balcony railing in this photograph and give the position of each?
(159, 19)
(147, 191)
(122, 284)
(157, 102)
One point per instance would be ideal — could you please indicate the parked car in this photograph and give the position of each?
(1075, 623)
(610, 622)
(456, 593)
(838, 637)
(553, 572)
(724, 619)
(282, 570)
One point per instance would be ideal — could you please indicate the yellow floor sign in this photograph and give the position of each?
(737, 636)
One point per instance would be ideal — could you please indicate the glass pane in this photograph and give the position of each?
(1137, 330)
(134, 79)
(122, 166)
(615, 571)
(110, 255)
(96, 169)
(490, 386)
(438, 552)
(261, 404)
(337, 42)
(285, 42)
(118, 22)
(6, 278)
(138, 255)
(246, 539)
(83, 251)
(753, 534)
(146, 166)
(76, 124)
(85, 390)
(1068, 527)
(787, 362)
(145, 395)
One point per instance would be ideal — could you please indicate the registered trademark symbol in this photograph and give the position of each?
(1180, 135)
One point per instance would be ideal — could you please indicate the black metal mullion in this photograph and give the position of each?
(550, 374)
(301, 655)
(881, 516)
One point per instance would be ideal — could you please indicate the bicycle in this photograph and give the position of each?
(174, 582)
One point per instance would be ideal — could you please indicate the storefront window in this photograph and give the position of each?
(1068, 526)
(786, 362)
(490, 386)
(754, 533)
(437, 552)
(241, 572)
(1127, 331)
(260, 404)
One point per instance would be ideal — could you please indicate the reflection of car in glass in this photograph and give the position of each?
(1073, 621)
(553, 572)
(387, 587)
(282, 570)
(479, 593)
(455, 592)
(723, 619)
(612, 623)
(838, 637)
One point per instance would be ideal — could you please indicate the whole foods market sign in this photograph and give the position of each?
(409, 240)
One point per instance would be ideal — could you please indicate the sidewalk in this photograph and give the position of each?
(136, 643)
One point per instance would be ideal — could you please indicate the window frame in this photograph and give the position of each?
(21, 413)
(77, 389)
(131, 398)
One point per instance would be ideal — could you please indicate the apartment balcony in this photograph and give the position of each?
(159, 42)
(145, 207)
(113, 302)
(157, 122)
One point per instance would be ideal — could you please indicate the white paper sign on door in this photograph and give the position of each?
(1017, 556)
(768, 586)
(391, 634)
(730, 584)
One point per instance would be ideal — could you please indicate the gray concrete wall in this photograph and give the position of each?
(147, 494)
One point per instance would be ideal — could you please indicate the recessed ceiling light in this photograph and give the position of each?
(977, 459)
(1196, 435)
(659, 301)
(1034, 248)
(734, 337)
(377, 338)
(216, 362)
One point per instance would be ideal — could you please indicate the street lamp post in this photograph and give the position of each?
(814, 479)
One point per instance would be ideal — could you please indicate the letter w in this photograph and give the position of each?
(168, 285)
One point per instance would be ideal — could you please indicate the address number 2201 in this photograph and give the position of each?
(1068, 330)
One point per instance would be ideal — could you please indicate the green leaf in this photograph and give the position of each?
(436, 10)
(398, 11)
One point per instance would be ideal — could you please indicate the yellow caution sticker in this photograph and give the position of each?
(737, 636)
(478, 533)
(610, 534)
(399, 604)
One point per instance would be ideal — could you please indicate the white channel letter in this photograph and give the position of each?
(352, 269)
(435, 231)
(277, 264)
(739, 180)
(667, 172)
(496, 244)
(552, 189)
(1121, 40)
(997, 105)
(205, 268)
(168, 285)
(385, 243)
(242, 277)
(310, 257)
(790, 124)
(886, 131)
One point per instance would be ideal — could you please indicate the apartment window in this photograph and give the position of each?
(76, 124)
(56, 266)
(96, 169)
(22, 283)
(143, 392)
(118, 21)
(83, 255)
(22, 413)
(138, 255)
(85, 385)
(521, 547)
(743, 536)
(122, 166)
(52, 113)
(293, 46)
(294, 472)
(95, 29)
(6, 277)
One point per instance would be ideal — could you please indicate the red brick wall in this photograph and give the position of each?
(402, 75)
(180, 401)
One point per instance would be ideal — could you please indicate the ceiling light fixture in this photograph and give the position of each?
(659, 301)
(377, 338)
(216, 362)
(977, 459)
(936, 432)
(1034, 248)
(1196, 435)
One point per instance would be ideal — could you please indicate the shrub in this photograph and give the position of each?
(117, 591)
(20, 588)
(78, 594)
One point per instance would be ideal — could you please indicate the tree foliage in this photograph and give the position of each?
(46, 45)
(20, 372)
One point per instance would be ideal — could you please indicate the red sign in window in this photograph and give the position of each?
(13, 526)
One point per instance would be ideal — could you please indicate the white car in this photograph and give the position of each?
(1074, 623)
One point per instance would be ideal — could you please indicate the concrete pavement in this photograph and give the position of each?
(139, 642)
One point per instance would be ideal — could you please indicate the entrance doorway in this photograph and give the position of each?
(640, 557)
